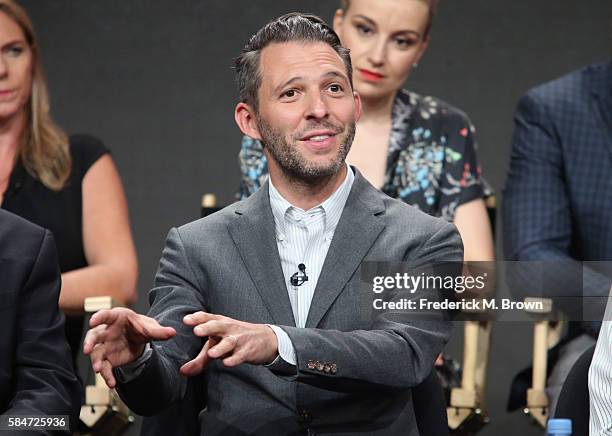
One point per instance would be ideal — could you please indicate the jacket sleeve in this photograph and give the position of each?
(174, 295)
(45, 383)
(538, 218)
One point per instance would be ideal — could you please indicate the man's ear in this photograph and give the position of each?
(245, 118)
(357, 98)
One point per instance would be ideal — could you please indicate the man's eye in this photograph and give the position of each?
(335, 88)
(289, 93)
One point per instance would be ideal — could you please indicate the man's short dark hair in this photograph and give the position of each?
(293, 27)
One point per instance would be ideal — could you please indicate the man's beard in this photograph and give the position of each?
(290, 160)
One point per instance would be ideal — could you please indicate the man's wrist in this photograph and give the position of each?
(284, 345)
(133, 369)
(274, 340)
(140, 352)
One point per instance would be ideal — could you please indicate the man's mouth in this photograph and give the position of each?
(318, 136)
(319, 140)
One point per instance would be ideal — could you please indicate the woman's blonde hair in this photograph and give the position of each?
(43, 148)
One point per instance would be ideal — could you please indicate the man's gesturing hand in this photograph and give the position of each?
(234, 341)
(117, 337)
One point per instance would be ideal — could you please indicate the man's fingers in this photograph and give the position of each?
(195, 366)
(108, 316)
(439, 360)
(93, 337)
(150, 329)
(234, 360)
(213, 328)
(98, 355)
(142, 325)
(226, 345)
(199, 318)
(106, 371)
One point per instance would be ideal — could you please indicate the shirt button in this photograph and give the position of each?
(305, 417)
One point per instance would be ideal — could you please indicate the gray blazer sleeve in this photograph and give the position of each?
(398, 350)
(174, 295)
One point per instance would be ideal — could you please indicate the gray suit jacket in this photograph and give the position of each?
(228, 263)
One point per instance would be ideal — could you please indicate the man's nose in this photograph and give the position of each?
(317, 106)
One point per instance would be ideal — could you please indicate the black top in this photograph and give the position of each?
(61, 212)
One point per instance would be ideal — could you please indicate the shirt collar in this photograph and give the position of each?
(332, 207)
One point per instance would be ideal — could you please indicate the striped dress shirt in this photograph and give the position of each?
(600, 381)
(303, 237)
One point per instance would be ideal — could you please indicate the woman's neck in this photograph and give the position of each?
(376, 109)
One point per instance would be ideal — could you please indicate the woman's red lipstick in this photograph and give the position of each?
(370, 76)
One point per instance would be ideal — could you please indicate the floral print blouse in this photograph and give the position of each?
(431, 161)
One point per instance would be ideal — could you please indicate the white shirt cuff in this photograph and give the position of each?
(285, 346)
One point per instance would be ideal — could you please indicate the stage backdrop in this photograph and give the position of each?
(154, 81)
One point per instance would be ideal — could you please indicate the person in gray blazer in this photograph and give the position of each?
(265, 296)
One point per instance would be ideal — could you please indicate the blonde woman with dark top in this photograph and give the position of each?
(68, 185)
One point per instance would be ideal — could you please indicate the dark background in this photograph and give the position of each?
(153, 80)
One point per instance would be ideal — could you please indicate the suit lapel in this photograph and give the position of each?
(601, 90)
(254, 236)
(358, 228)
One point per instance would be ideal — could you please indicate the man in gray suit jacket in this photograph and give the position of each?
(264, 296)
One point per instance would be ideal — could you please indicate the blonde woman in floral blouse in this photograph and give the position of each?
(415, 148)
